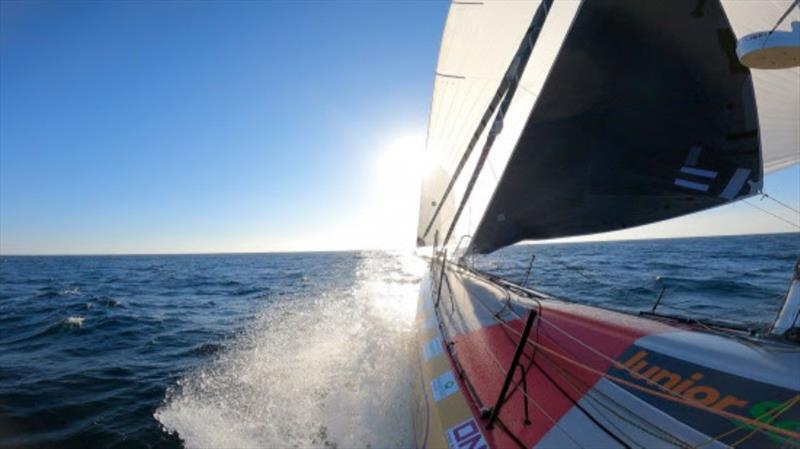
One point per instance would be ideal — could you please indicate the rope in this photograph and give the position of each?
(784, 407)
(570, 398)
(717, 329)
(674, 397)
(770, 213)
(672, 440)
(535, 403)
(474, 394)
(680, 399)
(666, 437)
(764, 195)
(788, 10)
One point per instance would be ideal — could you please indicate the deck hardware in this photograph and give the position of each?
(658, 300)
(787, 323)
(441, 278)
(528, 271)
(514, 362)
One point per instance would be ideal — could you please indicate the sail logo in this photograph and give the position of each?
(466, 435)
(696, 172)
(443, 386)
(687, 386)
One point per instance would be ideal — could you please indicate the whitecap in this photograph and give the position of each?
(76, 321)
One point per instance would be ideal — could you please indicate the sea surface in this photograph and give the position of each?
(297, 350)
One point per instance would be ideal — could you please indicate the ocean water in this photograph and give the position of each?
(297, 350)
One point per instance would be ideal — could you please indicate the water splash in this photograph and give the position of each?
(76, 321)
(326, 371)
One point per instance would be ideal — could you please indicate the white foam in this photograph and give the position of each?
(74, 321)
(311, 372)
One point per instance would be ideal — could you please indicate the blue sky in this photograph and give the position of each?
(145, 127)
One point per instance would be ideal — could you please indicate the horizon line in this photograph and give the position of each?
(308, 251)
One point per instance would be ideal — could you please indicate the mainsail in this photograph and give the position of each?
(626, 113)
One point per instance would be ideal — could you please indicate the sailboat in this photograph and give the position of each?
(564, 118)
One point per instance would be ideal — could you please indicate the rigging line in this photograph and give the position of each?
(591, 394)
(772, 418)
(511, 434)
(675, 398)
(679, 400)
(555, 423)
(476, 399)
(510, 79)
(765, 195)
(504, 285)
(553, 382)
(595, 351)
(674, 440)
(770, 213)
(788, 10)
(582, 409)
(493, 357)
(449, 343)
(780, 409)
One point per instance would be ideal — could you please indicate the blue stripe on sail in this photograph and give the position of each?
(691, 185)
(735, 184)
(699, 172)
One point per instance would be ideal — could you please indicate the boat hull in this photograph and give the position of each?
(592, 377)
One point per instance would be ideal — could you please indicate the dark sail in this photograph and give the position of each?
(646, 114)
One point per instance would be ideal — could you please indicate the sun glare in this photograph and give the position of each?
(397, 181)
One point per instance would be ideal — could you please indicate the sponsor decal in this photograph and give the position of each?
(432, 348)
(443, 386)
(466, 435)
(718, 390)
(691, 387)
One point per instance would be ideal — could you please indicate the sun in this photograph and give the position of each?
(397, 180)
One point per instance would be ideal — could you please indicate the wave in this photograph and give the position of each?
(76, 321)
(314, 371)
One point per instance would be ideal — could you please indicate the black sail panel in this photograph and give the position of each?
(646, 115)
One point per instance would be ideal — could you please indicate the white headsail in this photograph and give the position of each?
(777, 91)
